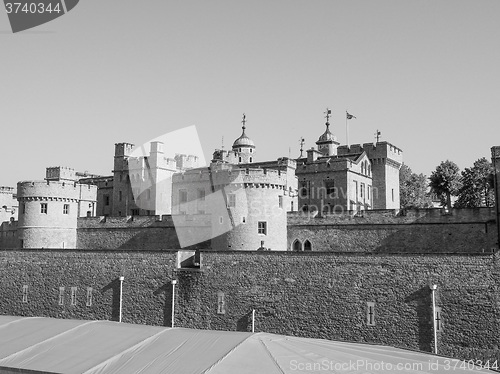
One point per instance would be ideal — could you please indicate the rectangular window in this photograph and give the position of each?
(61, 295)
(89, 296)
(356, 190)
(262, 227)
(370, 314)
(304, 188)
(106, 200)
(135, 212)
(221, 303)
(393, 194)
(73, 295)
(280, 201)
(23, 208)
(120, 195)
(25, 293)
(362, 190)
(43, 208)
(201, 194)
(231, 200)
(330, 188)
(369, 193)
(439, 319)
(66, 209)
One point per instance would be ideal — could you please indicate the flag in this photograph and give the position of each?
(349, 116)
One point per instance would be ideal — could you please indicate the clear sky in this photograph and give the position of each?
(423, 72)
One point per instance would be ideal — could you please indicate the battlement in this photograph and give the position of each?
(123, 149)
(56, 173)
(55, 189)
(7, 190)
(394, 216)
(225, 174)
(378, 150)
(186, 161)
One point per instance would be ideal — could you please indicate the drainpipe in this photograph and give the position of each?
(121, 297)
(433, 289)
(174, 282)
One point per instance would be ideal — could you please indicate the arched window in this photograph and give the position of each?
(297, 246)
(307, 246)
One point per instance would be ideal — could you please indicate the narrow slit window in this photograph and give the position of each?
(370, 314)
(439, 319)
(25, 293)
(61, 295)
(89, 296)
(66, 209)
(221, 303)
(73, 295)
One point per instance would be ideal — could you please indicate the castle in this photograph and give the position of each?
(245, 201)
(345, 262)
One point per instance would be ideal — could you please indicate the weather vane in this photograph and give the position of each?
(244, 121)
(328, 113)
(302, 141)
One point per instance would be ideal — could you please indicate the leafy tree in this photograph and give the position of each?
(477, 186)
(445, 181)
(413, 189)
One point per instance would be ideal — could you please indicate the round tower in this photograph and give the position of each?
(244, 147)
(255, 208)
(48, 212)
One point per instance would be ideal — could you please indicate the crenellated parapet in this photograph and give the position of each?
(224, 175)
(55, 191)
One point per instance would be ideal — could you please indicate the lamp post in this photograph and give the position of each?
(174, 282)
(253, 320)
(121, 279)
(433, 289)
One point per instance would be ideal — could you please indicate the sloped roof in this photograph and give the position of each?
(35, 345)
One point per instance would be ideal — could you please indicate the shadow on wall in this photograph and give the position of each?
(114, 288)
(422, 302)
(245, 322)
(166, 289)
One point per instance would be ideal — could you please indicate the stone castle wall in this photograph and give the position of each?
(138, 232)
(320, 295)
(418, 230)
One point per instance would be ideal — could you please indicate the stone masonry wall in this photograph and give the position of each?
(314, 294)
(423, 230)
(136, 232)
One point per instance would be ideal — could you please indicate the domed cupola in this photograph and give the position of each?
(244, 147)
(327, 142)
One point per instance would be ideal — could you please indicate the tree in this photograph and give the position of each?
(413, 189)
(477, 186)
(445, 181)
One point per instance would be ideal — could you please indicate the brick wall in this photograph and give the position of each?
(315, 294)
